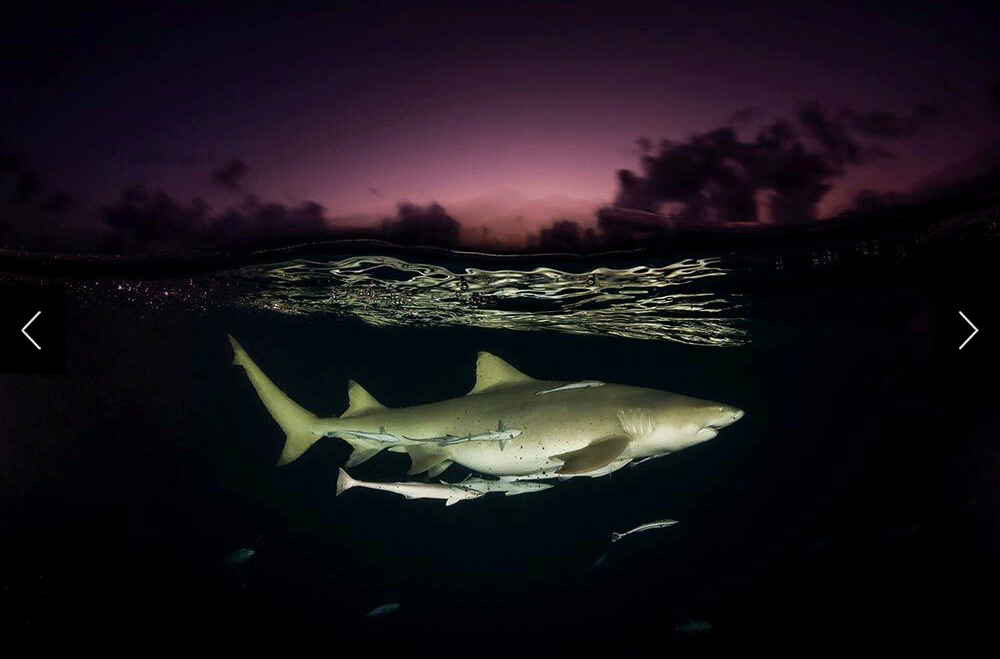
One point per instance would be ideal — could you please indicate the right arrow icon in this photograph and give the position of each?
(975, 330)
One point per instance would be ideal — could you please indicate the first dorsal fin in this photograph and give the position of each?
(493, 372)
(360, 401)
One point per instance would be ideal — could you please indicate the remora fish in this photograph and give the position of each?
(509, 488)
(580, 431)
(450, 493)
(501, 434)
(554, 473)
(694, 627)
(380, 436)
(574, 385)
(383, 610)
(240, 556)
(639, 462)
(663, 523)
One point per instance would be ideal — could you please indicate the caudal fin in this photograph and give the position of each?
(344, 482)
(298, 423)
(615, 537)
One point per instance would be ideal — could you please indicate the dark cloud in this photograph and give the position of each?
(257, 220)
(745, 116)
(155, 217)
(717, 176)
(872, 200)
(993, 97)
(977, 174)
(229, 175)
(59, 202)
(375, 192)
(141, 219)
(26, 208)
(567, 236)
(831, 134)
(883, 123)
(710, 171)
(416, 225)
(948, 87)
(19, 182)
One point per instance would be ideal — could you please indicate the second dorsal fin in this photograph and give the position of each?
(360, 401)
(493, 372)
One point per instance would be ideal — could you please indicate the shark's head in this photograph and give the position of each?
(672, 422)
(712, 417)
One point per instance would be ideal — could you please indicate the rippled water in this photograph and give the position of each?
(670, 302)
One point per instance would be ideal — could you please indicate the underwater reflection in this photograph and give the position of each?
(670, 302)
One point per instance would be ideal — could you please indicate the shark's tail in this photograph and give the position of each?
(302, 427)
(344, 482)
(299, 424)
(615, 537)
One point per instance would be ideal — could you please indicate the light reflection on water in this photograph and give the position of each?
(675, 302)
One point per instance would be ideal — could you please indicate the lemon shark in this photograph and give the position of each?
(547, 428)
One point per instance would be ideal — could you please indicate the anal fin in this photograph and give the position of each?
(593, 456)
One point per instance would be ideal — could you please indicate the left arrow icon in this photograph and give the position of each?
(975, 330)
(24, 330)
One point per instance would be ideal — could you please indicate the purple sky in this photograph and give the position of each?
(366, 105)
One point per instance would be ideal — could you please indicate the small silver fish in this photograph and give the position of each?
(383, 610)
(509, 488)
(694, 627)
(502, 434)
(239, 557)
(380, 436)
(636, 463)
(599, 562)
(573, 385)
(660, 524)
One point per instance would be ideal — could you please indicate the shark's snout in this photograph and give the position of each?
(720, 416)
(726, 416)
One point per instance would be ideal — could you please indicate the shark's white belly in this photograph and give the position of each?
(524, 456)
(530, 453)
(516, 459)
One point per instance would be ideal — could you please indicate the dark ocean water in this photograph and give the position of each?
(857, 505)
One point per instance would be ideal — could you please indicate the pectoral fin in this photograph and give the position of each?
(593, 456)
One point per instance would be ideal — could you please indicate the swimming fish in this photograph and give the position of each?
(383, 610)
(573, 385)
(694, 627)
(450, 493)
(509, 488)
(239, 557)
(660, 524)
(579, 432)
